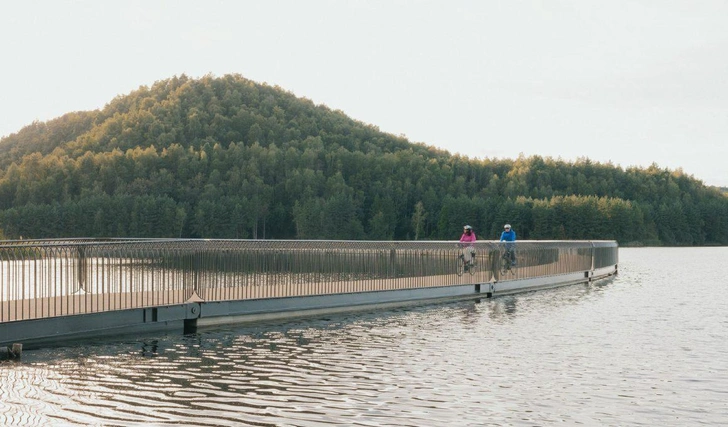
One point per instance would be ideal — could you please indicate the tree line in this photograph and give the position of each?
(229, 158)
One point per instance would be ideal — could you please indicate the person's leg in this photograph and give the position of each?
(468, 256)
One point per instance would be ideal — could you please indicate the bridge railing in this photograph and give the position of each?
(40, 279)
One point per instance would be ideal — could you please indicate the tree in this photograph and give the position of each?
(227, 157)
(418, 219)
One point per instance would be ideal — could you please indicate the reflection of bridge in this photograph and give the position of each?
(54, 289)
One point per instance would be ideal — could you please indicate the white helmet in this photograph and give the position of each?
(507, 226)
(467, 227)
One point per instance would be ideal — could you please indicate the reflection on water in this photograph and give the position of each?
(645, 348)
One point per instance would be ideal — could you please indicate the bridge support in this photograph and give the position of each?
(12, 352)
(16, 350)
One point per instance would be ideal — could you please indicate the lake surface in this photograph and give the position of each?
(647, 347)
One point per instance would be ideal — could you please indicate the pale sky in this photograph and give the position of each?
(631, 82)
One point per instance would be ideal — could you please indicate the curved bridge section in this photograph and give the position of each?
(51, 290)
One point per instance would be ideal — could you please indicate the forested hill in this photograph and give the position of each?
(230, 158)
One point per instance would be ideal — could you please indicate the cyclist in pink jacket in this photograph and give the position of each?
(468, 234)
(466, 242)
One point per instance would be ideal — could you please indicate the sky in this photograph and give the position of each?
(628, 82)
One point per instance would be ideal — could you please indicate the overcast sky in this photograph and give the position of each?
(631, 82)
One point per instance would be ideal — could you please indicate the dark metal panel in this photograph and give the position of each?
(63, 329)
(243, 307)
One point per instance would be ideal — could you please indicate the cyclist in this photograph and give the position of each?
(509, 236)
(467, 239)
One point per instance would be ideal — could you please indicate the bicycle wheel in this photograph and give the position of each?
(460, 266)
(472, 268)
(511, 262)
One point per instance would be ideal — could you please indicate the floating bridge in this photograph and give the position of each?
(52, 291)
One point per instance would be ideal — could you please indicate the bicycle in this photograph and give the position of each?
(466, 265)
(508, 262)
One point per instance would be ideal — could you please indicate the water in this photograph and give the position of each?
(649, 347)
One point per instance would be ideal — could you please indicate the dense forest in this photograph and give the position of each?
(230, 158)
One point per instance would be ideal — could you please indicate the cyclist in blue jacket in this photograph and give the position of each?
(509, 236)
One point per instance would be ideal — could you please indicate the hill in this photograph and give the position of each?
(230, 158)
